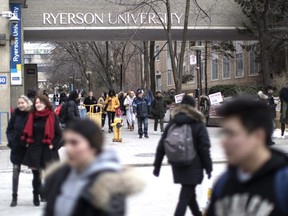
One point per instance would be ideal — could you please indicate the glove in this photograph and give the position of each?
(209, 175)
(156, 172)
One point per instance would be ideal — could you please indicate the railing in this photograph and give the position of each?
(4, 119)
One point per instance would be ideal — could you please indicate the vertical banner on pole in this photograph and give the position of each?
(16, 48)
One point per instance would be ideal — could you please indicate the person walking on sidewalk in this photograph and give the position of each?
(158, 110)
(90, 100)
(42, 135)
(190, 173)
(101, 101)
(284, 110)
(92, 181)
(205, 105)
(112, 104)
(256, 180)
(141, 109)
(128, 103)
(18, 150)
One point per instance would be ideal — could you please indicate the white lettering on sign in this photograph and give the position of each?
(110, 18)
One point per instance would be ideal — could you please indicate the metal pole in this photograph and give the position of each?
(121, 77)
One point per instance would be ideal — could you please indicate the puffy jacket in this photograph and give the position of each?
(191, 174)
(140, 107)
(112, 104)
(158, 108)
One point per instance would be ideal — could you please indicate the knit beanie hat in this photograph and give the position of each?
(27, 100)
(90, 130)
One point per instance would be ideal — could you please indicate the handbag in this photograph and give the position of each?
(118, 112)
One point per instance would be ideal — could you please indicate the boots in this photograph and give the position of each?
(36, 200)
(14, 200)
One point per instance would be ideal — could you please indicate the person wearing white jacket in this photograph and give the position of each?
(128, 103)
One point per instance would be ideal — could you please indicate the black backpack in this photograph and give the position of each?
(63, 113)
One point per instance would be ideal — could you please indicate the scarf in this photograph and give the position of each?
(49, 127)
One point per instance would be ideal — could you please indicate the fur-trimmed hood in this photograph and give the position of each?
(263, 96)
(189, 112)
(125, 182)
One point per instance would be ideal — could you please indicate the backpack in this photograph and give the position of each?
(280, 187)
(179, 146)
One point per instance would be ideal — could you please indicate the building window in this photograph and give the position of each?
(192, 73)
(226, 67)
(254, 66)
(215, 69)
(158, 82)
(157, 50)
(169, 77)
(239, 65)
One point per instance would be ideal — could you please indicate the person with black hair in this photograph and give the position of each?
(141, 109)
(69, 110)
(63, 98)
(158, 110)
(31, 94)
(284, 110)
(256, 179)
(112, 104)
(91, 181)
(188, 175)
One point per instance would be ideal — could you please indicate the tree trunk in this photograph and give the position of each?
(152, 66)
(206, 68)
(146, 66)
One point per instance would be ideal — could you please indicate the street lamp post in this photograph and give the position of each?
(88, 73)
(198, 50)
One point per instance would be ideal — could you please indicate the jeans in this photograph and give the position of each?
(156, 121)
(111, 116)
(15, 178)
(141, 121)
(187, 198)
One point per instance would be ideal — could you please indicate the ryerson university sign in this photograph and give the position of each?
(109, 18)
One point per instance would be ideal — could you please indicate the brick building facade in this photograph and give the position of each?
(241, 69)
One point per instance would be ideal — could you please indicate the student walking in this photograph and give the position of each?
(128, 103)
(42, 135)
(101, 101)
(112, 104)
(158, 110)
(92, 181)
(256, 179)
(188, 131)
(90, 100)
(141, 109)
(284, 110)
(18, 150)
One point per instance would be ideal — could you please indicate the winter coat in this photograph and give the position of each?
(90, 101)
(191, 174)
(72, 111)
(121, 101)
(38, 155)
(257, 193)
(128, 103)
(269, 100)
(63, 99)
(104, 194)
(14, 132)
(112, 104)
(158, 108)
(284, 113)
(140, 107)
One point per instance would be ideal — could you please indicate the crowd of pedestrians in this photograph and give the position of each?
(92, 181)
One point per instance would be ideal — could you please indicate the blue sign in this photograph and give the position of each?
(16, 49)
(3, 80)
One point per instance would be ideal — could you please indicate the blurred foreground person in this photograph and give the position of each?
(42, 135)
(284, 110)
(186, 144)
(91, 182)
(18, 150)
(256, 182)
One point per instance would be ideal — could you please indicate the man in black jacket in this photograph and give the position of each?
(189, 176)
(90, 100)
(256, 181)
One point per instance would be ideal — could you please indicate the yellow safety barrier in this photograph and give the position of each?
(93, 115)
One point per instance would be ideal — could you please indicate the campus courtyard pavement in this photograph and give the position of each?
(158, 199)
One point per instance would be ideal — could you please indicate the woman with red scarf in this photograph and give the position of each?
(42, 136)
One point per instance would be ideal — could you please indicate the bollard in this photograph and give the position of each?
(117, 125)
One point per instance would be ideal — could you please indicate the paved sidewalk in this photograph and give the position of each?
(140, 152)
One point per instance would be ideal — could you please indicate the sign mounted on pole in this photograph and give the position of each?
(16, 48)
